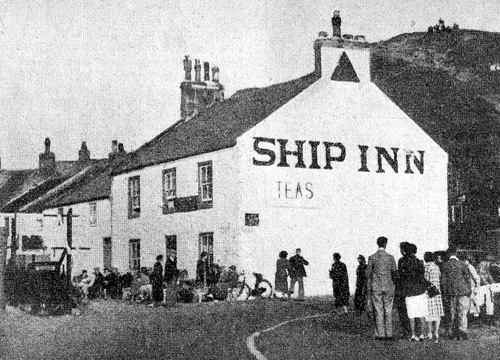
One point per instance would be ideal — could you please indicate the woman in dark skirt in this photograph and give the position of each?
(340, 282)
(360, 294)
(281, 276)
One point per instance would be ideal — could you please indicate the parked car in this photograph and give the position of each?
(49, 292)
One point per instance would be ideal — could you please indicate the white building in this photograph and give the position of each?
(327, 163)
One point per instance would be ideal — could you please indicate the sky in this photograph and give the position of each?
(101, 70)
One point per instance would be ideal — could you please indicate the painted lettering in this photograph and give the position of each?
(287, 190)
(310, 193)
(392, 161)
(284, 153)
(261, 151)
(314, 155)
(329, 157)
(298, 191)
(362, 157)
(293, 191)
(419, 163)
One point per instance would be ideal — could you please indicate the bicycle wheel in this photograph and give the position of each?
(241, 292)
(265, 289)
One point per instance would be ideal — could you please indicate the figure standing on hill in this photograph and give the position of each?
(298, 273)
(340, 282)
(380, 275)
(336, 23)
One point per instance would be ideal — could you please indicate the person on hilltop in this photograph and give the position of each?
(380, 276)
(336, 24)
(298, 273)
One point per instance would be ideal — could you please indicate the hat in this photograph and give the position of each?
(361, 257)
(232, 267)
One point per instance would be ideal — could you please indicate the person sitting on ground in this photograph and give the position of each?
(140, 289)
(95, 290)
(84, 283)
(109, 283)
(483, 270)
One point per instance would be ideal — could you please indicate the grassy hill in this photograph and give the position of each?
(443, 81)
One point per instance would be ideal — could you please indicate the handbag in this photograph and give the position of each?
(432, 291)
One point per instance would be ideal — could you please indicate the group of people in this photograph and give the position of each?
(98, 285)
(440, 27)
(294, 268)
(440, 287)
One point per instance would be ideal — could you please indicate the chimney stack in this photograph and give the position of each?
(121, 149)
(197, 70)
(47, 159)
(206, 68)
(197, 95)
(84, 153)
(114, 146)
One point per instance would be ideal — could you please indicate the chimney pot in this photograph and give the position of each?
(215, 74)
(47, 159)
(114, 146)
(197, 70)
(188, 65)
(120, 148)
(84, 153)
(206, 68)
(47, 145)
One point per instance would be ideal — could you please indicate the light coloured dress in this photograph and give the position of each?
(435, 304)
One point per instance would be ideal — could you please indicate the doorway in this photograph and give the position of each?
(107, 254)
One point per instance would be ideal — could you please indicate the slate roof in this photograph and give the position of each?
(92, 183)
(216, 127)
(20, 187)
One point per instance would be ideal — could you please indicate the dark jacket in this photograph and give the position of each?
(170, 270)
(202, 272)
(411, 276)
(336, 21)
(156, 275)
(455, 278)
(297, 263)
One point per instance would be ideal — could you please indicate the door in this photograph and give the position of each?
(106, 250)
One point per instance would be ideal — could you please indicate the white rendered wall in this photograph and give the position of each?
(152, 226)
(349, 209)
(87, 239)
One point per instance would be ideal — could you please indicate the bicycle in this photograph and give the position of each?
(242, 291)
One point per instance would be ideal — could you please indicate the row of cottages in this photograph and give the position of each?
(326, 163)
(19, 188)
(67, 210)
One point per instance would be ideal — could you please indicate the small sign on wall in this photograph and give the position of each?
(251, 219)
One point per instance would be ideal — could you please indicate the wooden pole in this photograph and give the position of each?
(3, 257)
(69, 237)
